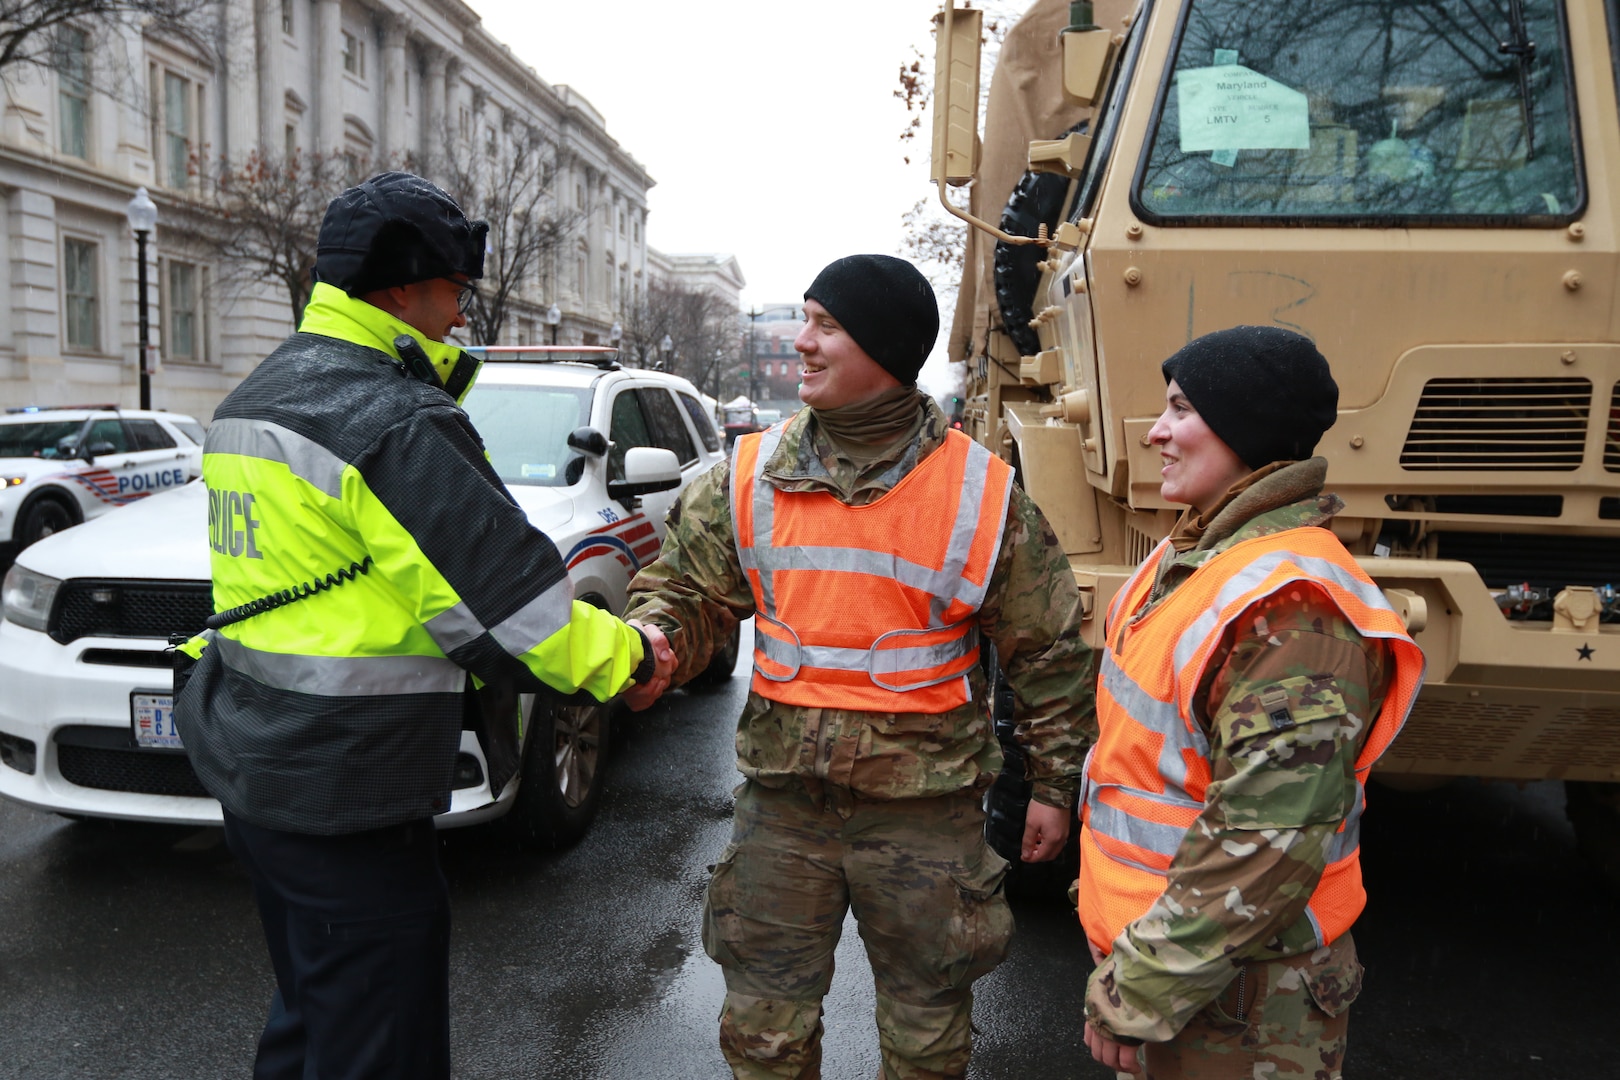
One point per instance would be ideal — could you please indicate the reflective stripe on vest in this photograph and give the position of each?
(1147, 778)
(870, 607)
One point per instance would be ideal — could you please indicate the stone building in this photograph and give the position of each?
(380, 83)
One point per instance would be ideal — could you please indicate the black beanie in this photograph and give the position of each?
(885, 305)
(395, 229)
(1264, 390)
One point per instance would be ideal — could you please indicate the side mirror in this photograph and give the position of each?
(94, 450)
(646, 469)
(956, 94)
(587, 440)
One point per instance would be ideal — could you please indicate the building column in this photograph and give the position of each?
(395, 140)
(433, 114)
(272, 91)
(329, 76)
(241, 82)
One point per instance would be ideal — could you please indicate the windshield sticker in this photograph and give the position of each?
(547, 471)
(1230, 108)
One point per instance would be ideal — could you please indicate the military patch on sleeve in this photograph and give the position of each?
(1274, 702)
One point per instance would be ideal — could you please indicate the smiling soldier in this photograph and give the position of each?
(874, 546)
(1253, 674)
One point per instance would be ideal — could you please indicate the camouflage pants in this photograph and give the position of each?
(926, 892)
(1272, 1024)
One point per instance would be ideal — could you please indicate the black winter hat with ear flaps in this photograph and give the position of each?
(396, 229)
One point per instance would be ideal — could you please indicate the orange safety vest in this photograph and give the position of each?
(872, 607)
(1147, 776)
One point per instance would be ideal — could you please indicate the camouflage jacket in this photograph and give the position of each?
(696, 591)
(1238, 886)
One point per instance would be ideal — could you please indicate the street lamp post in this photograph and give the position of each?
(553, 319)
(142, 215)
(665, 347)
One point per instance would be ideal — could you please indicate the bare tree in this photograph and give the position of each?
(270, 212)
(701, 326)
(510, 183)
(29, 28)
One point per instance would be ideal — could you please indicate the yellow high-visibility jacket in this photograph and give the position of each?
(343, 711)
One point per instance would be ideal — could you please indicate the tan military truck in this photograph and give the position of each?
(1426, 189)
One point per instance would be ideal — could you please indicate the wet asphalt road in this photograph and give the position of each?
(134, 952)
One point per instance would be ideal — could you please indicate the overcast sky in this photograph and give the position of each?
(770, 127)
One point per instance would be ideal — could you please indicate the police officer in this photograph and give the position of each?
(875, 548)
(1252, 676)
(328, 727)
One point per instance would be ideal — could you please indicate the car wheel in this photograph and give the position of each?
(44, 516)
(564, 757)
(722, 664)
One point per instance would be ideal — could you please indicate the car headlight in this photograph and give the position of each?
(27, 597)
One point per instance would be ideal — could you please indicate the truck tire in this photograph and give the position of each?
(721, 665)
(44, 516)
(563, 768)
(1037, 200)
(1593, 808)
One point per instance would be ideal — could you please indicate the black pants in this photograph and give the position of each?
(359, 934)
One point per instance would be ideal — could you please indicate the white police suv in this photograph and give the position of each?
(61, 466)
(595, 453)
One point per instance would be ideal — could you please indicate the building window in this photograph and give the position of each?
(176, 128)
(635, 229)
(183, 338)
(621, 221)
(466, 122)
(354, 55)
(582, 272)
(286, 16)
(489, 143)
(73, 90)
(79, 259)
(289, 148)
(579, 195)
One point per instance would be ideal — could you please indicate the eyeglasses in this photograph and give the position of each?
(464, 297)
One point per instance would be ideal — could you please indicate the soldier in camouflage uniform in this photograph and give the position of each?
(876, 810)
(1227, 974)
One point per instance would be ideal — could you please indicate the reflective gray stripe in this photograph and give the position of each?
(1148, 565)
(1342, 844)
(308, 460)
(1255, 573)
(1127, 828)
(537, 620)
(454, 628)
(975, 479)
(1316, 927)
(944, 585)
(344, 676)
(874, 661)
(769, 440)
(1162, 717)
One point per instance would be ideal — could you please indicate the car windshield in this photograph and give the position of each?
(37, 439)
(526, 429)
(1390, 110)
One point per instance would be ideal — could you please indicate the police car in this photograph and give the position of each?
(61, 466)
(595, 453)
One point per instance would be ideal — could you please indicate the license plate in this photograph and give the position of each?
(151, 717)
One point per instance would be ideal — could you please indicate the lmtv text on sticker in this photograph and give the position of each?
(231, 523)
(138, 483)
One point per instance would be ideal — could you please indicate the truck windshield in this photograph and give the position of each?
(525, 430)
(1398, 111)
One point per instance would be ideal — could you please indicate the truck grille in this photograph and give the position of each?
(107, 759)
(1546, 561)
(1501, 425)
(122, 608)
(1611, 444)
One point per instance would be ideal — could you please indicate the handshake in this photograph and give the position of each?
(641, 695)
